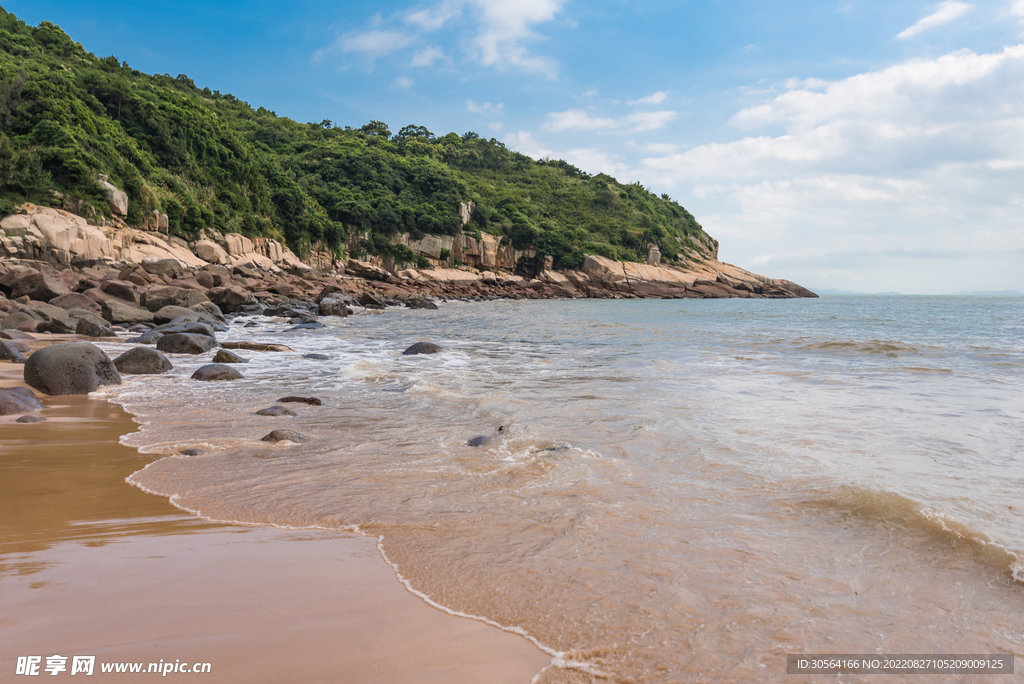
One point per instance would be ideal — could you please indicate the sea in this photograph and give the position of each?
(667, 490)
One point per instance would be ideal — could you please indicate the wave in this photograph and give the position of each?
(887, 347)
(933, 525)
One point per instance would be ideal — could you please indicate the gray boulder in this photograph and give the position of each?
(332, 307)
(216, 371)
(39, 286)
(18, 400)
(55, 326)
(311, 401)
(185, 343)
(231, 299)
(75, 300)
(276, 411)
(122, 289)
(422, 348)
(224, 356)
(29, 418)
(88, 327)
(420, 303)
(284, 436)
(9, 353)
(118, 312)
(70, 368)
(159, 297)
(142, 361)
(171, 312)
(158, 266)
(370, 302)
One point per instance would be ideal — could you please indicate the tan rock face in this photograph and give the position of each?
(118, 199)
(210, 251)
(52, 235)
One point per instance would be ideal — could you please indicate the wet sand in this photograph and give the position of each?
(90, 565)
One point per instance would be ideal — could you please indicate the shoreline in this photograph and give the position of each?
(106, 569)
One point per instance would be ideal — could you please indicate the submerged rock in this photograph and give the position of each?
(276, 411)
(420, 303)
(422, 348)
(70, 368)
(191, 452)
(30, 419)
(224, 356)
(18, 400)
(284, 436)
(312, 401)
(216, 371)
(142, 361)
(479, 440)
(256, 346)
(316, 357)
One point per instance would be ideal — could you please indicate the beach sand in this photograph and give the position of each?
(90, 565)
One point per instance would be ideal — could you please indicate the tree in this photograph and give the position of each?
(376, 128)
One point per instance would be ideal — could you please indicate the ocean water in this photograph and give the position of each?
(671, 490)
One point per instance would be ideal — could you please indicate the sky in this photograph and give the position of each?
(866, 146)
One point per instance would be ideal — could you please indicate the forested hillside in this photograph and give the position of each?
(208, 159)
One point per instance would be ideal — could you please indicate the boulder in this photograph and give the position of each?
(276, 411)
(18, 400)
(70, 368)
(171, 312)
(224, 356)
(15, 320)
(88, 327)
(333, 307)
(284, 436)
(256, 346)
(370, 302)
(122, 289)
(158, 266)
(9, 353)
(75, 300)
(118, 312)
(420, 303)
(118, 199)
(29, 418)
(311, 401)
(142, 361)
(216, 371)
(422, 348)
(39, 287)
(230, 299)
(208, 310)
(159, 297)
(210, 251)
(55, 327)
(185, 343)
(316, 357)
(366, 271)
(199, 328)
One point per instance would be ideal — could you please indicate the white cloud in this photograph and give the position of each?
(945, 12)
(434, 18)
(371, 44)
(652, 99)
(427, 56)
(505, 26)
(485, 108)
(580, 120)
(906, 165)
(747, 49)
(495, 126)
(403, 82)
(576, 119)
(524, 143)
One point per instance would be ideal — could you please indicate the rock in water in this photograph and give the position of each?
(88, 327)
(422, 348)
(30, 419)
(276, 411)
(191, 452)
(70, 368)
(312, 401)
(9, 353)
(216, 371)
(479, 440)
(224, 356)
(185, 343)
(316, 357)
(18, 400)
(142, 361)
(420, 303)
(284, 435)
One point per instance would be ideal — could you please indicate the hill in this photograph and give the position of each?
(199, 159)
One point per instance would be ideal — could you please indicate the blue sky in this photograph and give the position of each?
(857, 145)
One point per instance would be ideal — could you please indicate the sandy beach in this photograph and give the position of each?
(90, 565)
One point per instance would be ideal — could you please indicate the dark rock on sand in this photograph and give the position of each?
(316, 357)
(284, 435)
(216, 371)
(312, 401)
(142, 361)
(18, 400)
(276, 411)
(70, 368)
(55, 326)
(224, 356)
(185, 343)
(90, 328)
(30, 419)
(422, 348)
(479, 440)
(9, 353)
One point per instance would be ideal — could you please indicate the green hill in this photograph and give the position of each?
(208, 159)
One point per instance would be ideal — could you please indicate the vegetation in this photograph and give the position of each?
(209, 160)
